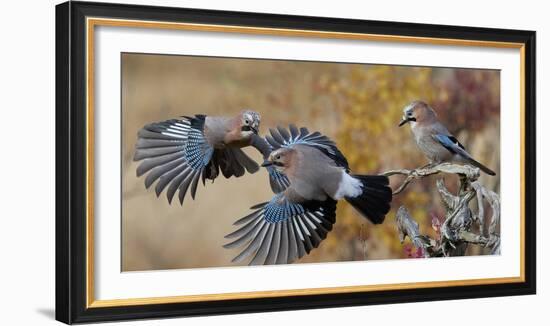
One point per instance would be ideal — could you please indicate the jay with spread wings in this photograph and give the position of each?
(309, 175)
(179, 152)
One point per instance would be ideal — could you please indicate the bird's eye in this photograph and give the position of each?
(246, 122)
(278, 157)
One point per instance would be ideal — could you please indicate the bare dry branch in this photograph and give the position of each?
(467, 171)
(456, 230)
(408, 227)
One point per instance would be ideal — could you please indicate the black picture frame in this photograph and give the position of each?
(71, 158)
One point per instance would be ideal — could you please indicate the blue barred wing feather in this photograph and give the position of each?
(281, 137)
(281, 231)
(174, 152)
(277, 180)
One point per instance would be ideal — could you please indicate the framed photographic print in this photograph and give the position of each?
(213, 162)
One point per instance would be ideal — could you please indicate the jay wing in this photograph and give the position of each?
(177, 153)
(455, 147)
(174, 152)
(281, 230)
(280, 137)
(277, 180)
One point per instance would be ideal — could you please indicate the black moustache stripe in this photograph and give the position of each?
(246, 128)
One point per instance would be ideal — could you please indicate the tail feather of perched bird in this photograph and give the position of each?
(177, 153)
(433, 139)
(454, 146)
(312, 175)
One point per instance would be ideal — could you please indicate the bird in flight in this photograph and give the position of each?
(179, 152)
(311, 176)
(433, 139)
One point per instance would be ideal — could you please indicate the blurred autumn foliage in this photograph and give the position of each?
(369, 101)
(358, 106)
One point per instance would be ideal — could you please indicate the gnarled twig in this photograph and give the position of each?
(408, 227)
(456, 230)
(467, 171)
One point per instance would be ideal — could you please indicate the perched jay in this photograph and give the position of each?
(433, 139)
(297, 219)
(179, 152)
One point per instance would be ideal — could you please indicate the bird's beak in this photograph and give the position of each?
(403, 121)
(254, 130)
(267, 163)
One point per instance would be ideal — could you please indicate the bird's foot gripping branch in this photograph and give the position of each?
(457, 231)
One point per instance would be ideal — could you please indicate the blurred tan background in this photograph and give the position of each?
(358, 106)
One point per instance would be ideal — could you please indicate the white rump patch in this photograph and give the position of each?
(348, 187)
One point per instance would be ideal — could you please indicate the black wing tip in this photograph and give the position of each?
(284, 132)
(229, 245)
(260, 205)
(158, 192)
